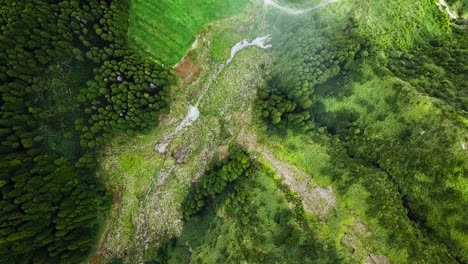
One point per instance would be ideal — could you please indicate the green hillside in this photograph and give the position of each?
(298, 131)
(390, 87)
(165, 29)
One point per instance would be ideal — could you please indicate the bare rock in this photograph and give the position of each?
(161, 148)
(377, 259)
(349, 242)
(179, 154)
(361, 227)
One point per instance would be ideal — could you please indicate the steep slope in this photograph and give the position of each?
(389, 86)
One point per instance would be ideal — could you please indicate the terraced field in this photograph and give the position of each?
(165, 29)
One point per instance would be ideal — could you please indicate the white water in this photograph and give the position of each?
(296, 11)
(260, 42)
(191, 117)
(443, 5)
(193, 112)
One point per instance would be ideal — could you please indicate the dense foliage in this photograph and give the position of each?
(382, 83)
(313, 55)
(254, 220)
(459, 7)
(442, 61)
(216, 179)
(408, 124)
(52, 121)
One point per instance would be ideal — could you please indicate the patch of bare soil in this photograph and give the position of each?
(223, 152)
(315, 199)
(188, 71)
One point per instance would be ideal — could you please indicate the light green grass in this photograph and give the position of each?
(222, 43)
(414, 20)
(312, 155)
(165, 29)
(302, 151)
(129, 163)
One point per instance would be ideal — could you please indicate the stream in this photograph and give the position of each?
(443, 6)
(150, 201)
(193, 112)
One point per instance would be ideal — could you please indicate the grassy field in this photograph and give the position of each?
(165, 29)
(414, 20)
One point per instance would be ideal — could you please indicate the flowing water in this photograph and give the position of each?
(152, 196)
(261, 42)
(443, 6)
(193, 112)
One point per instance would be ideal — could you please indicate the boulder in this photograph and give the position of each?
(179, 154)
(377, 259)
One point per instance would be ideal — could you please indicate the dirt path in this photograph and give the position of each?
(292, 11)
(315, 199)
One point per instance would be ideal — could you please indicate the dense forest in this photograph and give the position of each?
(379, 88)
(68, 82)
(261, 220)
(415, 149)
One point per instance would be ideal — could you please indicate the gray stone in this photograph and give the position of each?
(377, 259)
(179, 154)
